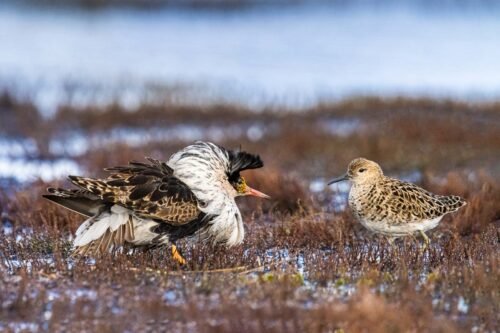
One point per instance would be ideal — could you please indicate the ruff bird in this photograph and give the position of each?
(393, 207)
(158, 203)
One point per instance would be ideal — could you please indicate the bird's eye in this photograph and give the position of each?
(362, 170)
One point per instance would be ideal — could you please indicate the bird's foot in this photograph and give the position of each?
(177, 256)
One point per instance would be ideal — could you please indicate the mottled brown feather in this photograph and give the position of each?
(150, 190)
(405, 202)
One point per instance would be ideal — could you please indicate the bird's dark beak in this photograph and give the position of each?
(339, 179)
(255, 193)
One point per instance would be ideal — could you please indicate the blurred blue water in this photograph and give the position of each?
(294, 55)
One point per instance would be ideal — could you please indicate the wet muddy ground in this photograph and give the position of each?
(305, 265)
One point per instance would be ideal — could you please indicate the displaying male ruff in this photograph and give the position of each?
(392, 207)
(156, 203)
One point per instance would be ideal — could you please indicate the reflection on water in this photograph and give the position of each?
(295, 55)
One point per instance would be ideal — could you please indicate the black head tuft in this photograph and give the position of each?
(240, 160)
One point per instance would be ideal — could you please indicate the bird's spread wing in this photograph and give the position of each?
(418, 203)
(150, 190)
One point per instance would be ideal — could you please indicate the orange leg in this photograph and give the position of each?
(177, 256)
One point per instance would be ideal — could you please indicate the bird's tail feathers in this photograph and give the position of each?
(454, 202)
(104, 232)
(79, 201)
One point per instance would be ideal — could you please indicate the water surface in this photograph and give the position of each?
(293, 55)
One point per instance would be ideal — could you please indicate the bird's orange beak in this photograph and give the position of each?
(255, 193)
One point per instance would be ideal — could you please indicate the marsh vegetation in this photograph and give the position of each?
(305, 265)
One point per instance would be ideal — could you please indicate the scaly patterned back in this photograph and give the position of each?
(399, 202)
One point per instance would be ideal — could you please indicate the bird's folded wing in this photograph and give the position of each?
(416, 202)
(150, 190)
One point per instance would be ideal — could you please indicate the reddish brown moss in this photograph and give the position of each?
(323, 271)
